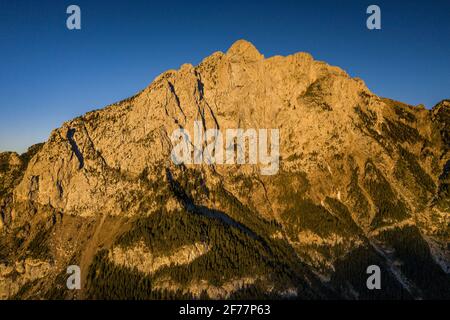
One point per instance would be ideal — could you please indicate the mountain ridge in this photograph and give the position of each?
(362, 180)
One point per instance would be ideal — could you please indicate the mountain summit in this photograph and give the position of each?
(244, 50)
(362, 181)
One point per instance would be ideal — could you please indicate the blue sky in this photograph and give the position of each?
(49, 74)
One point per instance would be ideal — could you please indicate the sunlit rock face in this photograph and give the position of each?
(362, 180)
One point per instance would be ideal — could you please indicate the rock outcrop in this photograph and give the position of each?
(362, 180)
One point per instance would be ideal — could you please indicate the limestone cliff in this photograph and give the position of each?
(362, 180)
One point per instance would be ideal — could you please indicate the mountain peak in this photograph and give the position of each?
(245, 50)
(355, 176)
(443, 105)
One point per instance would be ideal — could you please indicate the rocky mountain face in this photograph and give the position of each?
(362, 181)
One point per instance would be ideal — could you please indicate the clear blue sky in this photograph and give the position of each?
(49, 74)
